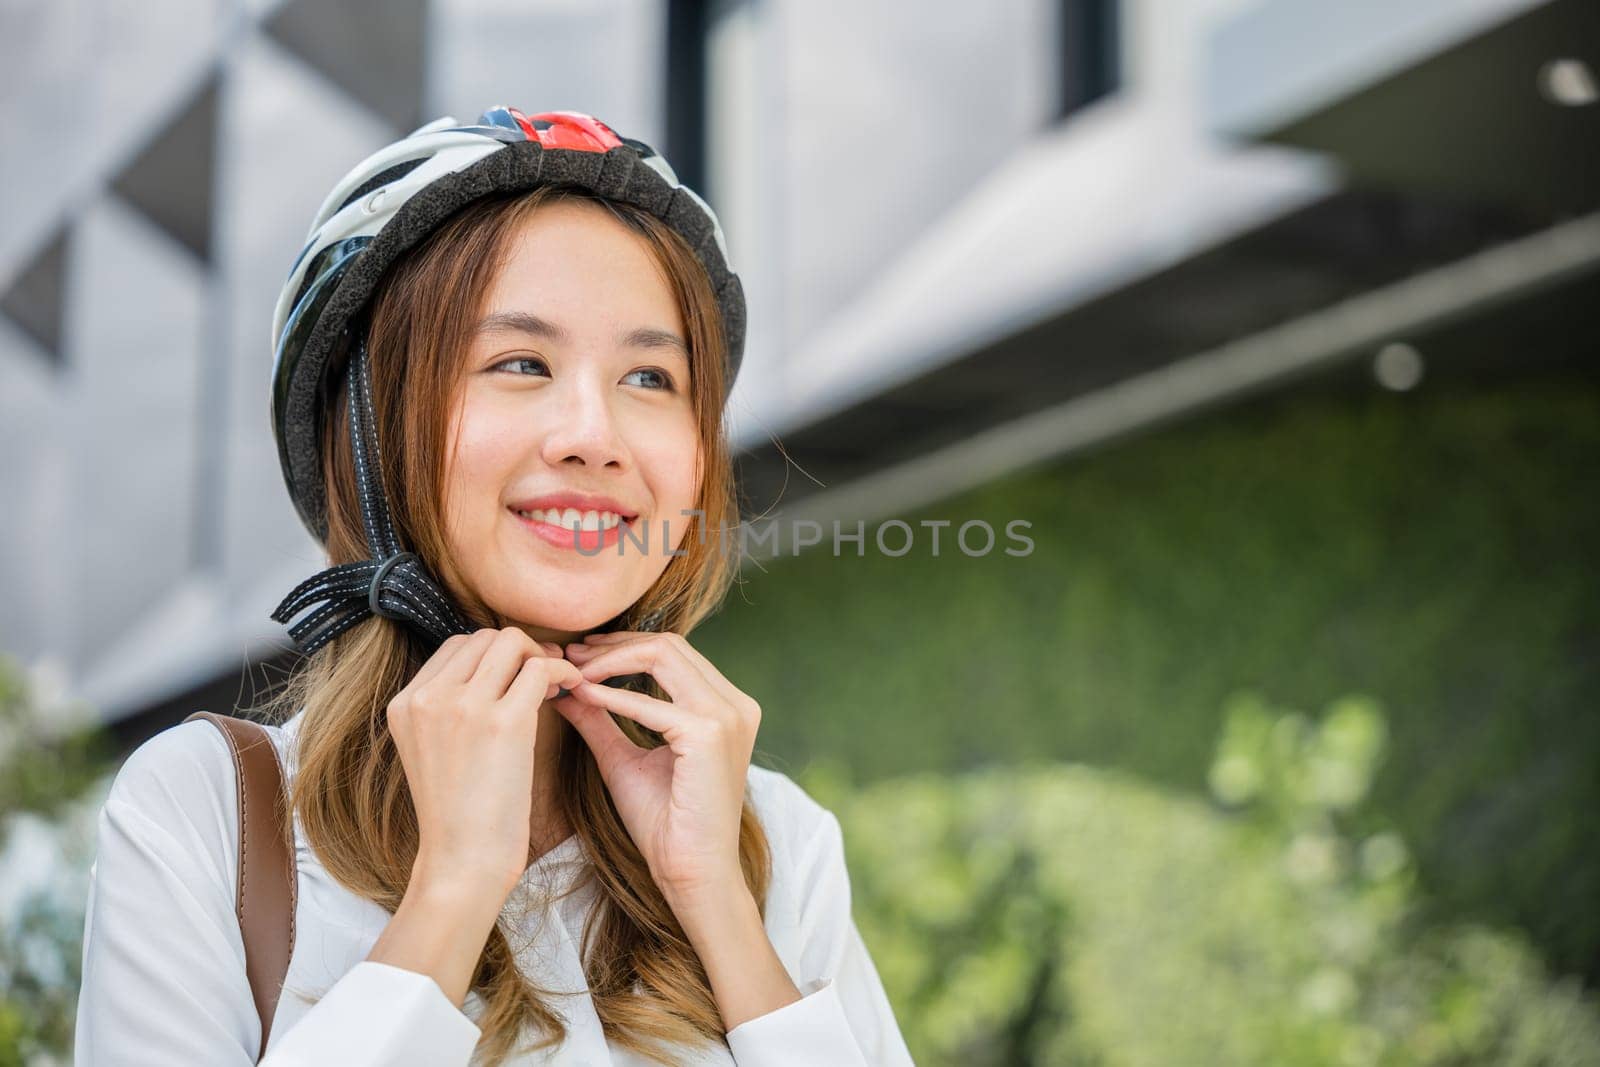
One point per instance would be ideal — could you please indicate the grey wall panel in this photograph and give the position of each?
(35, 486)
(43, 51)
(603, 57)
(82, 84)
(303, 136)
(893, 112)
(137, 311)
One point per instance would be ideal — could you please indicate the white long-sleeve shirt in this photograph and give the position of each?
(163, 958)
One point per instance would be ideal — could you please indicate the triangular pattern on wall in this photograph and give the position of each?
(170, 179)
(36, 298)
(372, 49)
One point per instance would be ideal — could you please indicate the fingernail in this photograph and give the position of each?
(579, 646)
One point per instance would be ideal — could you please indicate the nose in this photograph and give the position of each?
(582, 427)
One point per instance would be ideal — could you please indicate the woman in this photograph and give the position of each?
(502, 362)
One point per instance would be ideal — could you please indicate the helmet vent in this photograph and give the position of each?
(382, 178)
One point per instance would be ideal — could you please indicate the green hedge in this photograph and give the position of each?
(1435, 549)
(1070, 915)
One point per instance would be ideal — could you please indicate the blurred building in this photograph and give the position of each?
(974, 237)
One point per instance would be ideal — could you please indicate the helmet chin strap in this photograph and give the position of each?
(393, 584)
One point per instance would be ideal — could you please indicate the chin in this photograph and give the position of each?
(571, 618)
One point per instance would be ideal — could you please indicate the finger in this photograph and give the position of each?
(612, 635)
(666, 719)
(600, 732)
(436, 662)
(501, 662)
(465, 661)
(539, 678)
(714, 677)
(730, 692)
(660, 659)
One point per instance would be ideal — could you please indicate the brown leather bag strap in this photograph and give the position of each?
(268, 879)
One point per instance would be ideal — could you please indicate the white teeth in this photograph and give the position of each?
(586, 520)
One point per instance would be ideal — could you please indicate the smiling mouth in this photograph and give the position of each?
(567, 518)
(587, 531)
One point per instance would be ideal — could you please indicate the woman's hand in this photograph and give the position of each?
(465, 727)
(680, 802)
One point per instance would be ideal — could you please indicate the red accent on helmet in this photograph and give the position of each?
(567, 129)
(522, 120)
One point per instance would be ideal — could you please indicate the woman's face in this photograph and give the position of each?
(575, 386)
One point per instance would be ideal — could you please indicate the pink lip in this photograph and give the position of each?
(591, 541)
(576, 501)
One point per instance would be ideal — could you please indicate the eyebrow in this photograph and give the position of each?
(526, 322)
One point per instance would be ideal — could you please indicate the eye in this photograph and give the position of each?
(518, 360)
(662, 376)
(518, 365)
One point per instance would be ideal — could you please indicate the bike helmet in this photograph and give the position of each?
(385, 206)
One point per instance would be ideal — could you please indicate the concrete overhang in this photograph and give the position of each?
(1477, 100)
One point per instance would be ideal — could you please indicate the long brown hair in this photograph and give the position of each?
(648, 986)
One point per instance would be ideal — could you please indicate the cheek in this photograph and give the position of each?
(483, 455)
(671, 464)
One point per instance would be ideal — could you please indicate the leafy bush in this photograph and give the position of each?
(1068, 915)
(54, 767)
